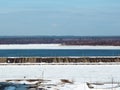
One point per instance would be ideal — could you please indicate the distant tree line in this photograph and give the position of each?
(70, 40)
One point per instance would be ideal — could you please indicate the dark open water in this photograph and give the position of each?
(57, 52)
(11, 86)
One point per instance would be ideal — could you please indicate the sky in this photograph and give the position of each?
(60, 17)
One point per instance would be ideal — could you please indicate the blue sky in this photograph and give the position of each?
(60, 17)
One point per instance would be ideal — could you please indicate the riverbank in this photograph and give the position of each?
(61, 60)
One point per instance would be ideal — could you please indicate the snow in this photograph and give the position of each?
(79, 74)
(54, 46)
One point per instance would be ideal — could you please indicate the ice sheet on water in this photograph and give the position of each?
(81, 73)
(54, 46)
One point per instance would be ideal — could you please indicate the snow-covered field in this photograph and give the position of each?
(78, 73)
(54, 46)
